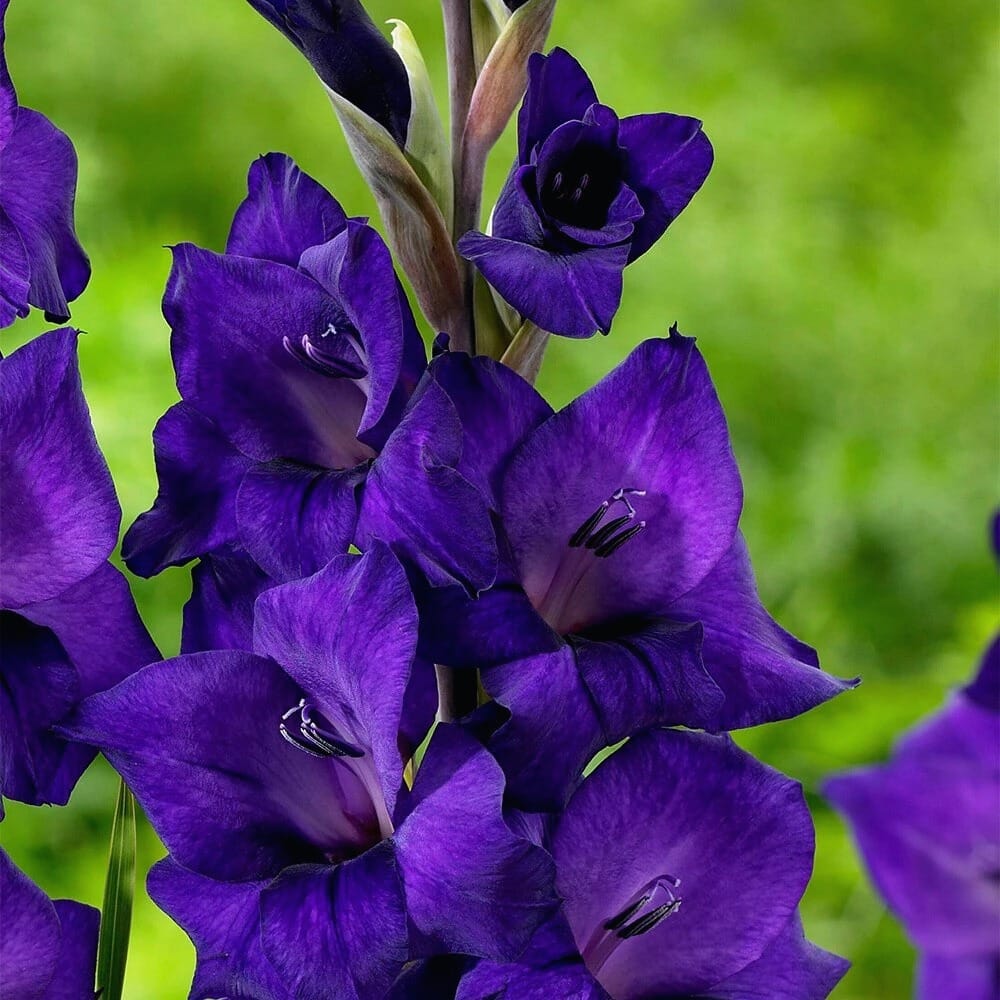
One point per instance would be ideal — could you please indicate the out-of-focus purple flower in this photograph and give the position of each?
(41, 261)
(589, 193)
(349, 54)
(680, 862)
(300, 863)
(624, 597)
(70, 627)
(48, 948)
(927, 824)
(295, 352)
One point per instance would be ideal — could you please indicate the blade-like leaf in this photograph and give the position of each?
(119, 888)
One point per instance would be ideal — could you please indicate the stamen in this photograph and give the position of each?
(616, 543)
(623, 918)
(602, 540)
(649, 907)
(649, 921)
(312, 738)
(557, 182)
(323, 363)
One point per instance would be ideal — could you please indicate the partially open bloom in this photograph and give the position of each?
(300, 864)
(589, 193)
(624, 596)
(70, 627)
(48, 948)
(295, 352)
(680, 862)
(928, 826)
(41, 261)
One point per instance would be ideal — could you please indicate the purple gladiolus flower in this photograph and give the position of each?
(48, 948)
(349, 54)
(589, 193)
(295, 352)
(624, 596)
(928, 826)
(69, 625)
(41, 262)
(300, 863)
(680, 862)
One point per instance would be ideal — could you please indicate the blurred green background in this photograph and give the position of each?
(839, 268)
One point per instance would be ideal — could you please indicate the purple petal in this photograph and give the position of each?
(792, 968)
(765, 673)
(337, 932)
(199, 473)
(222, 919)
(356, 269)
(494, 888)
(39, 689)
(37, 189)
(733, 837)
(197, 739)
(668, 158)
(82, 641)
(653, 425)
(29, 935)
(97, 623)
(417, 501)
(15, 272)
(498, 626)
(231, 317)
(985, 687)
(294, 519)
(77, 961)
(285, 213)
(558, 91)
(968, 977)
(610, 689)
(59, 519)
(927, 829)
(962, 730)
(516, 216)
(219, 614)
(497, 409)
(550, 967)
(348, 636)
(572, 294)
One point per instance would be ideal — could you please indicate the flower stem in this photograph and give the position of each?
(527, 350)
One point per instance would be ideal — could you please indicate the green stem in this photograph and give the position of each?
(527, 350)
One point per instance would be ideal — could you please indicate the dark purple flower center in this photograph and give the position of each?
(337, 352)
(647, 909)
(305, 728)
(582, 185)
(601, 535)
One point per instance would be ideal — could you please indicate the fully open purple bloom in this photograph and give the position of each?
(300, 863)
(48, 948)
(41, 262)
(70, 627)
(625, 597)
(589, 193)
(349, 54)
(295, 352)
(928, 826)
(681, 862)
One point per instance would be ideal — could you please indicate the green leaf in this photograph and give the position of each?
(119, 889)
